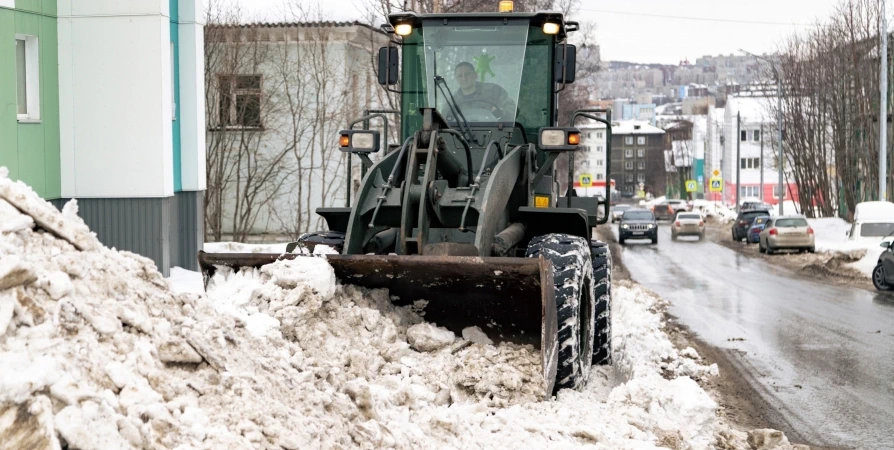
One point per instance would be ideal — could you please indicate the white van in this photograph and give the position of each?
(873, 221)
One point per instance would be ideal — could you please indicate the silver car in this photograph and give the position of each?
(787, 232)
(688, 224)
(618, 211)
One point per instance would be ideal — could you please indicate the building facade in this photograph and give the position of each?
(638, 158)
(590, 161)
(105, 104)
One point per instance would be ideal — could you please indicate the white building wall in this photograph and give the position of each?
(115, 101)
(192, 95)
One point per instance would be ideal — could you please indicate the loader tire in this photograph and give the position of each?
(602, 278)
(334, 239)
(575, 304)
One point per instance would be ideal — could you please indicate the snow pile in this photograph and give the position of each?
(106, 356)
(832, 239)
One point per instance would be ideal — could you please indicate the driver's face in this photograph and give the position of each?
(466, 77)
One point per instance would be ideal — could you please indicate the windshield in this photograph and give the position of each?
(638, 215)
(876, 229)
(474, 71)
(791, 223)
(690, 216)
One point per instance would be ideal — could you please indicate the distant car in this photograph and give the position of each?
(663, 211)
(873, 222)
(743, 223)
(688, 224)
(787, 232)
(748, 206)
(618, 211)
(754, 233)
(679, 205)
(638, 224)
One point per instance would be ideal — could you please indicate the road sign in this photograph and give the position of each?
(691, 186)
(586, 180)
(716, 173)
(716, 184)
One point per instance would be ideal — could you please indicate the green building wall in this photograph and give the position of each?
(31, 150)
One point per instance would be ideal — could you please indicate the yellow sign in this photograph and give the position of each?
(716, 184)
(691, 186)
(586, 180)
(716, 173)
(541, 201)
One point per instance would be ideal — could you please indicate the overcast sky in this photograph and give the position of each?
(714, 26)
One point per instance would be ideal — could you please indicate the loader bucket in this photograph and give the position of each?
(511, 299)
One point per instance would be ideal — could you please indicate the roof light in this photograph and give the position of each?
(550, 28)
(403, 29)
(506, 6)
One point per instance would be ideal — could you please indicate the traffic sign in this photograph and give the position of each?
(716, 173)
(716, 184)
(691, 186)
(586, 180)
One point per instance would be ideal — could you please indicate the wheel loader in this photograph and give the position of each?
(465, 212)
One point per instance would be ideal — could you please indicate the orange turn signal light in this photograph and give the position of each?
(344, 141)
(573, 138)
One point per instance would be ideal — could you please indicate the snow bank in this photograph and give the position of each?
(106, 356)
(831, 238)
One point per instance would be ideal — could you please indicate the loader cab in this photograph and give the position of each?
(512, 56)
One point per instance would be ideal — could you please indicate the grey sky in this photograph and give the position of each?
(639, 38)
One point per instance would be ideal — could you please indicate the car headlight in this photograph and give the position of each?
(651, 226)
(624, 226)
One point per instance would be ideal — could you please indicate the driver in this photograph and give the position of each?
(487, 95)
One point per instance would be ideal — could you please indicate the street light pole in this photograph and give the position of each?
(779, 163)
(762, 161)
(738, 160)
(883, 114)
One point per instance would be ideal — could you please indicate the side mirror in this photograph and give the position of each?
(388, 66)
(885, 244)
(358, 141)
(566, 63)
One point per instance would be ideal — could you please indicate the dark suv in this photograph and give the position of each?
(638, 224)
(744, 221)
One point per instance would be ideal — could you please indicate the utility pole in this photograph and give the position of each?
(738, 160)
(781, 161)
(762, 161)
(883, 114)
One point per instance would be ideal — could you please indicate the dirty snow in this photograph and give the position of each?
(107, 356)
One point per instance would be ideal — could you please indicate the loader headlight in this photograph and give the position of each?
(559, 139)
(550, 28)
(358, 141)
(403, 29)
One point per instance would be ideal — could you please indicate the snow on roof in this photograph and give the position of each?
(752, 109)
(635, 127)
(874, 211)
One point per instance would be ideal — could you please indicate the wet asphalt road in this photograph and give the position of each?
(821, 355)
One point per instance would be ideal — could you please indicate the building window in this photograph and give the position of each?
(628, 165)
(240, 101)
(599, 162)
(630, 178)
(750, 191)
(750, 163)
(641, 178)
(776, 192)
(756, 135)
(641, 140)
(598, 135)
(640, 153)
(743, 135)
(600, 176)
(27, 78)
(599, 149)
(628, 153)
(641, 165)
(588, 135)
(628, 140)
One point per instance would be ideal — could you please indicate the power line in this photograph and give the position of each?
(701, 19)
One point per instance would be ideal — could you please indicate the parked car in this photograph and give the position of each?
(638, 224)
(883, 274)
(618, 211)
(747, 206)
(688, 224)
(873, 222)
(754, 233)
(663, 211)
(743, 222)
(787, 232)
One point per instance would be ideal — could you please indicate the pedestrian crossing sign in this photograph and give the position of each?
(691, 186)
(716, 184)
(586, 180)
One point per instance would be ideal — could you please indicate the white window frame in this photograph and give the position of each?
(641, 165)
(785, 192)
(598, 135)
(641, 140)
(599, 162)
(599, 149)
(628, 153)
(628, 140)
(640, 178)
(640, 153)
(756, 135)
(32, 78)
